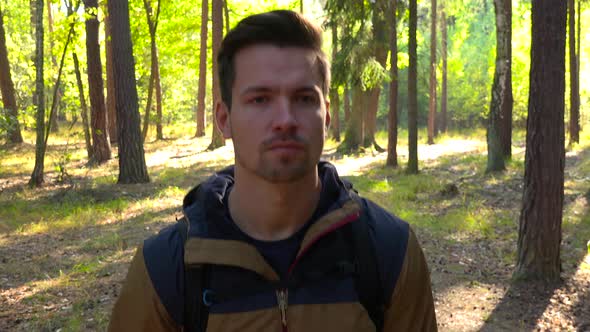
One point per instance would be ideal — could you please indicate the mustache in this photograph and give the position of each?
(285, 137)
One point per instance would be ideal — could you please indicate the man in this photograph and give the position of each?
(279, 241)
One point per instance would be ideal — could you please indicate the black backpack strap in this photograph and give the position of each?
(196, 281)
(368, 282)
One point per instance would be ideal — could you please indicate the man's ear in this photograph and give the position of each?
(222, 119)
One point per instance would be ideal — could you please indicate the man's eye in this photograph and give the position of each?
(259, 100)
(306, 99)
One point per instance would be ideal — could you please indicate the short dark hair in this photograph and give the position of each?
(282, 28)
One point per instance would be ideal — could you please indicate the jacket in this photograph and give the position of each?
(152, 297)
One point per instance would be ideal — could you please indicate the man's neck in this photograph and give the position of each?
(272, 211)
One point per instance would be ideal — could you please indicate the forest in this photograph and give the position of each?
(469, 119)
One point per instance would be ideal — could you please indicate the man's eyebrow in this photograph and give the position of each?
(308, 88)
(255, 89)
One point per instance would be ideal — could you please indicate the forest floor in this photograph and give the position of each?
(65, 247)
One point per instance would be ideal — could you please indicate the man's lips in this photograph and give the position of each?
(286, 145)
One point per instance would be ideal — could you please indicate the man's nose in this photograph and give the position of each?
(284, 115)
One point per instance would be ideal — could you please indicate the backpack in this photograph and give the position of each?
(365, 271)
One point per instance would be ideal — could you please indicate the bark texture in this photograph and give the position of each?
(574, 76)
(83, 106)
(201, 119)
(101, 147)
(501, 102)
(443, 90)
(539, 235)
(13, 132)
(132, 166)
(432, 82)
(111, 104)
(39, 99)
(392, 118)
(217, 139)
(413, 91)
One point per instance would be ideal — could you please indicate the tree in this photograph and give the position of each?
(152, 20)
(443, 90)
(217, 139)
(101, 146)
(379, 53)
(7, 90)
(539, 234)
(413, 91)
(54, 115)
(83, 106)
(111, 103)
(334, 97)
(432, 86)
(501, 102)
(132, 167)
(393, 90)
(39, 99)
(574, 75)
(202, 70)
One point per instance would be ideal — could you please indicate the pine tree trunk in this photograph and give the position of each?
(98, 116)
(354, 128)
(111, 93)
(539, 235)
(54, 116)
(334, 97)
(574, 79)
(217, 139)
(346, 97)
(507, 105)
(148, 106)
(501, 99)
(443, 91)
(380, 40)
(83, 106)
(202, 70)
(413, 91)
(157, 82)
(13, 132)
(37, 176)
(226, 13)
(132, 166)
(393, 90)
(432, 86)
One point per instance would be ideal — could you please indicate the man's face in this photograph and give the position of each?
(278, 113)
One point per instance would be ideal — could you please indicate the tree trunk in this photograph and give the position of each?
(98, 116)
(83, 106)
(37, 176)
(132, 167)
(54, 116)
(574, 76)
(501, 101)
(539, 235)
(111, 103)
(393, 90)
(346, 96)
(226, 13)
(354, 128)
(301, 6)
(444, 95)
(413, 91)
(334, 97)
(380, 51)
(506, 117)
(152, 20)
(7, 89)
(432, 86)
(201, 119)
(148, 106)
(217, 139)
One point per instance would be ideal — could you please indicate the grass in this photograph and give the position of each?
(76, 237)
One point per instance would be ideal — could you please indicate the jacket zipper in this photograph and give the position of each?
(283, 301)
